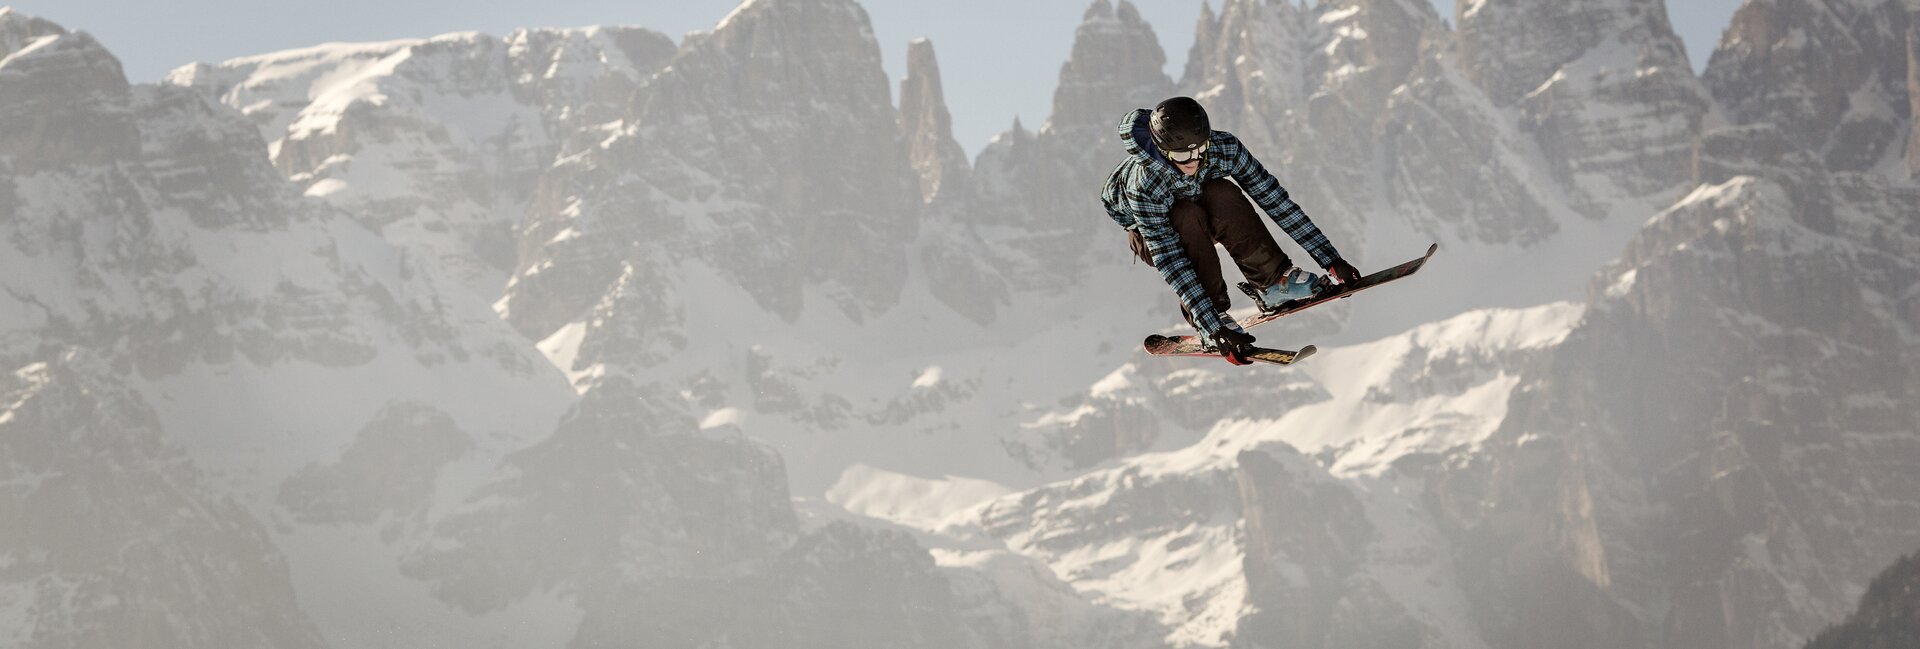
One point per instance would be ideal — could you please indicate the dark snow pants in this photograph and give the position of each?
(1222, 215)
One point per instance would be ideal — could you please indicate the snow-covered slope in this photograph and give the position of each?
(1162, 532)
(436, 143)
(248, 332)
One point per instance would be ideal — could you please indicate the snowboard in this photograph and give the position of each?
(1159, 345)
(1337, 291)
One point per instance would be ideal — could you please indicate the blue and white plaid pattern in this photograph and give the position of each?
(1140, 195)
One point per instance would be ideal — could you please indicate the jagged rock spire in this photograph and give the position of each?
(1246, 66)
(1116, 63)
(1205, 31)
(928, 126)
(1830, 73)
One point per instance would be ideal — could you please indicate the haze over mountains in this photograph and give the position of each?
(578, 337)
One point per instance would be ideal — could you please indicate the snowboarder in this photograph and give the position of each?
(1173, 196)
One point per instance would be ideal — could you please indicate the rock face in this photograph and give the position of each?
(1306, 584)
(438, 142)
(48, 125)
(620, 494)
(381, 474)
(928, 127)
(1115, 58)
(67, 101)
(1604, 84)
(1511, 47)
(1889, 614)
(660, 532)
(752, 199)
(1440, 116)
(112, 533)
(1830, 73)
(1740, 535)
(1247, 65)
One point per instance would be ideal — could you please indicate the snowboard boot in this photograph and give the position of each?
(1295, 284)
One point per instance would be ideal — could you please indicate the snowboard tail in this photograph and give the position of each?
(1159, 345)
(1269, 313)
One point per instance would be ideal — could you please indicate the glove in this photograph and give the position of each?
(1343, 271)
(1233, 345)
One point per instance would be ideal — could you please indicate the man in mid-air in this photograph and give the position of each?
(1173, 196)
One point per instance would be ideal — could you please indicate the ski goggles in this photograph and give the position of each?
(1183, 157)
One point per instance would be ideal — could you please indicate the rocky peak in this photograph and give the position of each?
(1207, 30)
(1247, 67)
(63, 97)
(584, 76)
(815, 61)
(18, 30)
(1116, 64)
(1511, 47)
(928, 126)
(1372, 45)
(1831, 73)
(776, 122)
(1603, 85)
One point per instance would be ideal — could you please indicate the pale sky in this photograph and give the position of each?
(998, 58)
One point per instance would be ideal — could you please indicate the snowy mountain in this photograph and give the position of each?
(396, 437)
(583, 337)
(184, 332)
(435, 143)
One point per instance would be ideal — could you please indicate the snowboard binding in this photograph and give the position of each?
(1319, 285)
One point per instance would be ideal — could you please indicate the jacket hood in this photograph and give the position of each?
(1137, 138)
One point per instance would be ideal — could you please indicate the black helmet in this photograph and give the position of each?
(1179, 124)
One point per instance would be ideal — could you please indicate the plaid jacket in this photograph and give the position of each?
(1140, 195)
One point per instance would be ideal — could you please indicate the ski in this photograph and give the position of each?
(1159, 345)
